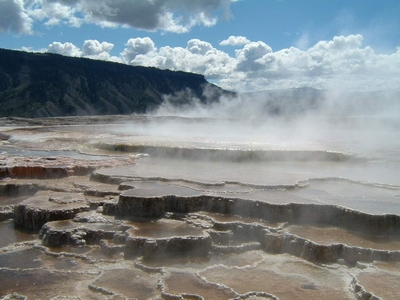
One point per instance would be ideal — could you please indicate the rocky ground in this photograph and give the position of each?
(71, 230)
(93, 240)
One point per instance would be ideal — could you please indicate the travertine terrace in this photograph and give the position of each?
(104, 208)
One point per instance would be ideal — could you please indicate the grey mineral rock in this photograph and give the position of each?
(67, 232)
(166, 238)
(34, 212)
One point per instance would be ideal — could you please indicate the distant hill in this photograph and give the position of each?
(49, 85)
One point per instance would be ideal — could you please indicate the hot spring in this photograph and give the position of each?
(179, 207)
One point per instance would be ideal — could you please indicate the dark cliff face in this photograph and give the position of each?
(47, 85)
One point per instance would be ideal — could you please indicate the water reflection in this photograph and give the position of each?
(10, 235)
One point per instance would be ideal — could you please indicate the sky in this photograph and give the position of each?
(240, 45)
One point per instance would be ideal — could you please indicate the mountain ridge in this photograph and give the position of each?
(50, 85)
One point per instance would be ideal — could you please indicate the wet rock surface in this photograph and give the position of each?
(166, 238)
(104, 233)
(52, 167)
(36, 211)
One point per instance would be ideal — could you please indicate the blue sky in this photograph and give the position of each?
(240, 45)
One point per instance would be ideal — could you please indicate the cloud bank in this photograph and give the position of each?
(342, 62)
(14, 17)
(177, 16)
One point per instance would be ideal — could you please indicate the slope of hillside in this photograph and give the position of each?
(47, 85)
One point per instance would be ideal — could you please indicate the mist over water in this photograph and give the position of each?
(355, 123)
(270, 138)
(297, 119)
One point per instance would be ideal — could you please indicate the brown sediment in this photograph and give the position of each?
(51, 167)
(265, 277)
(335, 235)
(10, 235)
(129, 282)
(16, 189)
(159, 238)
(187, 284)
(40, 283)
(378, 284)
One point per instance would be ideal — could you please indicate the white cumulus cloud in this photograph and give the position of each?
(198, 57)
(197, 46)
(94, 47)
(250, 54)
(235, 41)
(137, 46)
(91, 49)
(67, 49)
